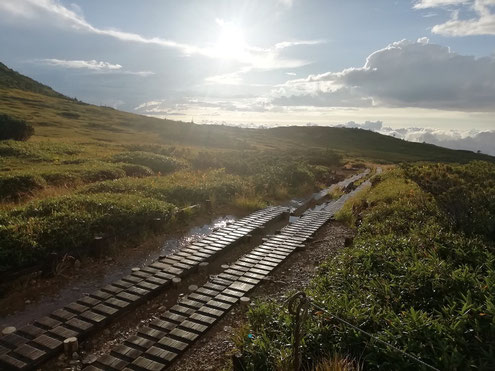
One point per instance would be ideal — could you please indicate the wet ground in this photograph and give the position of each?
(36, 297)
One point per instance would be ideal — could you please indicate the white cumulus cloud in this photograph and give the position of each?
(403, 74)
(462, 23)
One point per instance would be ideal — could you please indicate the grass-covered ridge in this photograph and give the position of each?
(413, 277)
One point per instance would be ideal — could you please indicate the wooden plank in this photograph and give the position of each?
(93, 317)
(138, 342)
(28, 352)
(160, 355)
(12, 363)
(173, 345)
(146, 364)
(12, 341)
(125, 352)
(30, 331)
(193, 327)
(112, 362)
(47, 342)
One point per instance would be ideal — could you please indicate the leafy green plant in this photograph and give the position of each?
(412, 278)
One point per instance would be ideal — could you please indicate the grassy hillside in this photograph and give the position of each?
(57, 117)
(82, 156)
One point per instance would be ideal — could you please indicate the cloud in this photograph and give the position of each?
(342, 97)
(287, 3)
(403, 74)
(53, 13)
(483, 23)
(288, 44)
(93, 65)
(472, 140)
(368, 125)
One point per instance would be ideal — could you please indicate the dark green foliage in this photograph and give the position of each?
(157, 163)
(180, 189)
(412, 278)
(36, 152)
(465, 192)
(11, 128)
(137, 171)
(68, 223)
(13, 187)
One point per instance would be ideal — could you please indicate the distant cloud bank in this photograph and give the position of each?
(472, 140)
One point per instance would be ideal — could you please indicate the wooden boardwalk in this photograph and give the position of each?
(157, 345)
(35, 343)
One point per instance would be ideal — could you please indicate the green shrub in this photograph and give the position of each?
(14, 187)
(412, 278)
(11, 128)
(138, 171)
(68, 223)
(182, 188)
(157, 163)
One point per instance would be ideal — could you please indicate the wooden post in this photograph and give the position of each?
(71, 345)
(192, 288)
(245, 300)
(176, 281)
(8, 330)
(203, 267)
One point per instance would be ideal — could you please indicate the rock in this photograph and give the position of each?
(62, 357)
(77, 264)
(27, 302)
(75, 355)
(106, 332)
(162, 308)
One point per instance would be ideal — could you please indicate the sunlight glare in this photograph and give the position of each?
(230, 43)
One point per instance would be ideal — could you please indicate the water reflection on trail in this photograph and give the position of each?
(34, 305)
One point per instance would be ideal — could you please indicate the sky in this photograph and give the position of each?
(422, 70)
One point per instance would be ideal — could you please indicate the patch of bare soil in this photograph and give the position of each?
(214, 351)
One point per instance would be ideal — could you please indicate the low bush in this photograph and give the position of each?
(68, 223)
(14, 187)
(138, 171)
(182, 188)
(11, 128)
(157, 163)
(19, 184)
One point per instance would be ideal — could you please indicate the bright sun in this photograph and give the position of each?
(230, 43)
